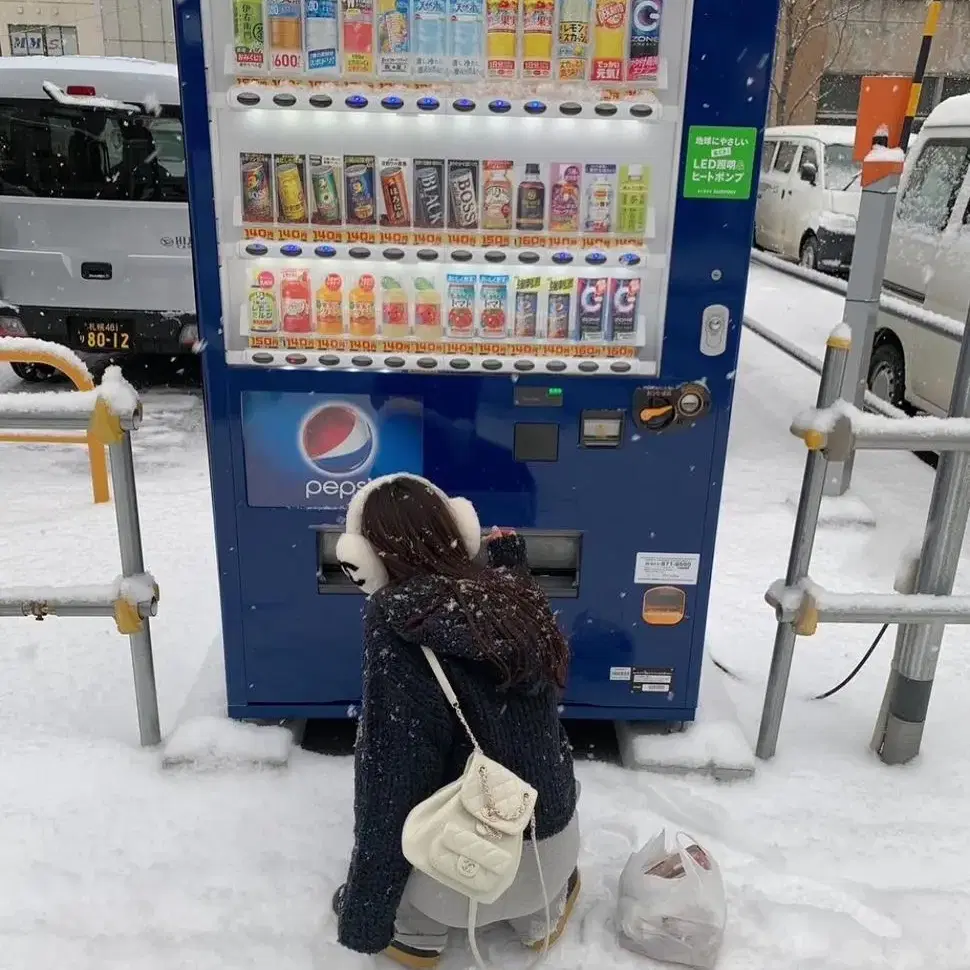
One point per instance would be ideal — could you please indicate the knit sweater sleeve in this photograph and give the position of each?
(403, 739)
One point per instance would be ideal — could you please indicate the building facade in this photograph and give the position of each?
(865, 37)
(126, 28)
(65, 27)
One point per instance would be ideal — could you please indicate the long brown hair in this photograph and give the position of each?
(414, 532)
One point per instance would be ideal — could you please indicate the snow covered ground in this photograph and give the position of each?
(107, 861)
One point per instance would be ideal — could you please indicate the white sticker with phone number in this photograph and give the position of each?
(679, 568)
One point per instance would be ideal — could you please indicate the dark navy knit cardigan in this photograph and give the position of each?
(410, 744)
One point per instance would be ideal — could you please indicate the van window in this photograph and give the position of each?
(786, 155)
(842, 172)
(932, 189)
(51, 151)
(767, 154)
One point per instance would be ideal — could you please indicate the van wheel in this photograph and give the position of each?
(887, 374)
(808, 254)
(34, 373)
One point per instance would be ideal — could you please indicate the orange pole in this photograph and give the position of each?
(82, 381)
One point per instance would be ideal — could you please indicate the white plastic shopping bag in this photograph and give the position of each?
(671, 904)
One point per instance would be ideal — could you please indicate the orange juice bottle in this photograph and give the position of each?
(328, 306)
(363, 308)
(427, 309)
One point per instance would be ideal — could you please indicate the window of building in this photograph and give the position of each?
(932, 189)
(953, 85)
(33, 39)
(768, 154)
(838, 98)
(786, 156)
(56, 152)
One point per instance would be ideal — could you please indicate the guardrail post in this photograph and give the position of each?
(899, 731)
(837, 348)
(133, 564)
(861, 311)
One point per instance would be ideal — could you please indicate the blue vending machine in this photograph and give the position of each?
(500, 243)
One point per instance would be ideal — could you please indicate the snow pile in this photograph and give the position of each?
(840, 510)
(714, 743)
(217, 742)
(880, 153)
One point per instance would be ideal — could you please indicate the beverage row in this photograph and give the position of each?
(494, 195)
(430, 306)
(460, 40)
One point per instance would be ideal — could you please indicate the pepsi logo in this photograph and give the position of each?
(338, 440)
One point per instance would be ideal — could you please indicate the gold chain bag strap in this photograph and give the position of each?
(469, 835)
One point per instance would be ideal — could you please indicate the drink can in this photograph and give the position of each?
(461, 305)
(359, 179)
(526, 320)
(291, 194)
(463, 194)
(644, 53)
(394, 188)
(557, 318)
(494, 294)
(325, 196)
(429, 196)
(591, 308)
(624, 302)
(257, 189)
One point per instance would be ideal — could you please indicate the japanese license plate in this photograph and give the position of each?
(103, 336)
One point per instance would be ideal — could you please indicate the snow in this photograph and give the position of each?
(114, 390)
(871, 427)
(880, 153)
(213, 741)
(32, 345)
(831, 860)
(950, 113)
(86, 101)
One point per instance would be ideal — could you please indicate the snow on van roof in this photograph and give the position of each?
(115, 78)
(827, 134)
(950, 113)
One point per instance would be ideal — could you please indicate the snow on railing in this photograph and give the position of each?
(892, 305)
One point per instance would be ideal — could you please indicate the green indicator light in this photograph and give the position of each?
(555, 392)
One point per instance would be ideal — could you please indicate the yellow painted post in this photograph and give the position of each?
(82, 381)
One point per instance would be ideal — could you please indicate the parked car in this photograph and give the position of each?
(95, 246)
(928, 263)
(808, 196)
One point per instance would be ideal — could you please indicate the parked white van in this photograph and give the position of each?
(928, 264)
(95, 246)
(808, 195)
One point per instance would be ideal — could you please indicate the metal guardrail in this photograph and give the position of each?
(18, 350)
(873, 403)
(109, 415)
(888, 304)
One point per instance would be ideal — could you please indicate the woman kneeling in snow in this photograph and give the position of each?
(413, 549)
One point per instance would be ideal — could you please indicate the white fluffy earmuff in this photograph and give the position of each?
(357, 556)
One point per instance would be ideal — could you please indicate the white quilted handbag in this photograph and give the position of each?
(468, 836)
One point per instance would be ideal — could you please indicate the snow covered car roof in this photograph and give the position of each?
(115, 78)
(827, 134)
(952, 113)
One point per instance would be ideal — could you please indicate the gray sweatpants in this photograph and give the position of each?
(429, 909)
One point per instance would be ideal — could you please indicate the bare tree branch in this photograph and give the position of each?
(800, 19)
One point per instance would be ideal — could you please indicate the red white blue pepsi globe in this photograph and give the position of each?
(337, 439)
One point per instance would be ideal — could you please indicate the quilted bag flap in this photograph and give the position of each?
(496, 796)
